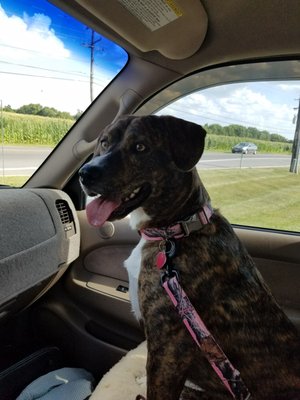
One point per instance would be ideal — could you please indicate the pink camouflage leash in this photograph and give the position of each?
(229, 375)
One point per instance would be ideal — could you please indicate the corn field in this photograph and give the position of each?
(32, 129)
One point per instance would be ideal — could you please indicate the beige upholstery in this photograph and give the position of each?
(161, 34)
(126, 379)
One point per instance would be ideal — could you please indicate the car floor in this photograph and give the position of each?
(24, 356)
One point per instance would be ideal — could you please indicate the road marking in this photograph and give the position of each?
(244, 159)
(21, 169)
(220, 160)
(254, 167)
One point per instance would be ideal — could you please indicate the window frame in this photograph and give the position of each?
(254, 71)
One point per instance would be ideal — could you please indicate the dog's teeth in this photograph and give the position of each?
(132, 195)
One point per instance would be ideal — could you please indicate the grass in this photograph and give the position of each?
(16, 181)
(267, 198)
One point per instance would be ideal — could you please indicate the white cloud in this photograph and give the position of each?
(245, 104)
(33, 34)
(290, 87)
(253, 107)
(37, 67)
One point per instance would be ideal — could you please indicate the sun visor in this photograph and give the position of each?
(174, 28)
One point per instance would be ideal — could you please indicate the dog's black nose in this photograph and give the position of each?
(88, 174)
(92, 173)
(83, 172)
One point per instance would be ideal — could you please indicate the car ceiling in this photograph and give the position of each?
(225, 31)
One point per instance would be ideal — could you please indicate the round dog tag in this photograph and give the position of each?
(161, 259)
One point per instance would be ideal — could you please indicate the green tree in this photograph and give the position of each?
(214, 129)
(65, 115)
(274, 137)
(253, 132)
(8, 108)
(48, 112)
(33, 109)
(264, 135)
(38, 109)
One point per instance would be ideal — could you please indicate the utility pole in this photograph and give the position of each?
(91, 45)
(2, 138)
(296, 144)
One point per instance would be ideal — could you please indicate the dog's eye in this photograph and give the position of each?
(104, 144)
(140, 147)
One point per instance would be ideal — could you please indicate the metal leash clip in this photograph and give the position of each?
(169, 270)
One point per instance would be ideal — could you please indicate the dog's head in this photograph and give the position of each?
(142, 162)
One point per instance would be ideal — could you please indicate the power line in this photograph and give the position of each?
(97, 81)
(38, 52)
(226, 119)
(43, 76)
(79, 73)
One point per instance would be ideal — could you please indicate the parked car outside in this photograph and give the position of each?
(245, 148)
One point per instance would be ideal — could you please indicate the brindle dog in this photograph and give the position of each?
(146, 166)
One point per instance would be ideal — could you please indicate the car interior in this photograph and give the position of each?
(64, 297)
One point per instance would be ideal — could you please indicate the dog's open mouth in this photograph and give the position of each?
(102, 209)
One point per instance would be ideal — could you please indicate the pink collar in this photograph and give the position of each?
(182, 228)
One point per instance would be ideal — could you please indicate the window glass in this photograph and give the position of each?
(51, 68)
(250, 164)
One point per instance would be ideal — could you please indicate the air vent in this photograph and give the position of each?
(66, 217)
(64, 211)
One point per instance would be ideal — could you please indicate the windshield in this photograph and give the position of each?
(51, 68)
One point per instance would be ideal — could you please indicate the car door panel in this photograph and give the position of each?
(99, 270)
(277, 256)
(100, 276)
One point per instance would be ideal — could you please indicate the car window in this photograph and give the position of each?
(252, 183)
(51, 68)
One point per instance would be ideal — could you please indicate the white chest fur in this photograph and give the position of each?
(133, 266)
(133, 262)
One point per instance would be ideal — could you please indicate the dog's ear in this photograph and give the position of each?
(186, 140)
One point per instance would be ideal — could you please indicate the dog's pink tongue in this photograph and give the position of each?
(99, 210)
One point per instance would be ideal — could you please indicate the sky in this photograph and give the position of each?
(45, 59)
(264, 105)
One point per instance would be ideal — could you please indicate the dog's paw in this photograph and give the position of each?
(140, 397)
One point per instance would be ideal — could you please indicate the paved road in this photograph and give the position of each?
(229, 160)
(24, 160)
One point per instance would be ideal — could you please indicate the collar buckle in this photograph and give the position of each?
(182, 228)
(185, 228)
(204, 215)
